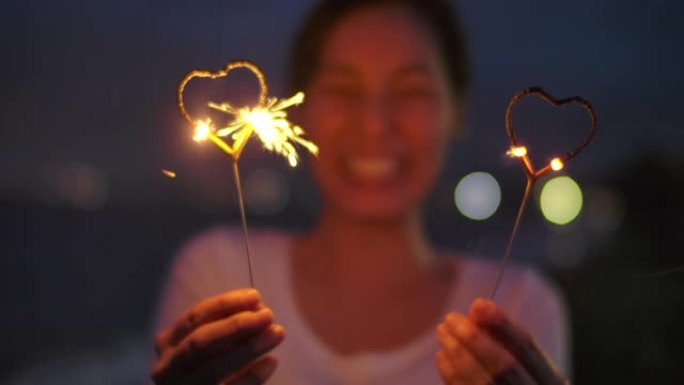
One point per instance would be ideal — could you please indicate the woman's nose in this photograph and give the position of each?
(376, 118)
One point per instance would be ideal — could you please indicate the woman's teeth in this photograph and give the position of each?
(373, 168)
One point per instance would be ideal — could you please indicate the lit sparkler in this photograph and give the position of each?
(518, 151)
(267, 121)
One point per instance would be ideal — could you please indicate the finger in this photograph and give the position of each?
(444, 366)
(463, 367)
(236, 363)
(209, 310)
(209, 340)
(256, 374)
(517, 340)
(220, 335)
(499, 362)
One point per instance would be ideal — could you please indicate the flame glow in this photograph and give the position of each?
(203, 129)
(270, 125)
(169, 173)
(556, 164)
(517, 152)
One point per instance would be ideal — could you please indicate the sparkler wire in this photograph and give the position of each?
(538, 91)
(263, 87)
(507, 253)
(243, 217)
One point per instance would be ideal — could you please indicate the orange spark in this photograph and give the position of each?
(556, 164)
(517, 152)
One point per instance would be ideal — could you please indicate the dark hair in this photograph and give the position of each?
(438, 16)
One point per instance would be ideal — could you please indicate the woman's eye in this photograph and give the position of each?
(415, 92)
(340, 90)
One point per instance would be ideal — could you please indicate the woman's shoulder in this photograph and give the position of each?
(211, 262)
(220, 251)
(514, 272)
(222, 236)
(519, 283)
(224, 240)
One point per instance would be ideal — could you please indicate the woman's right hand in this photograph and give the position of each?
(223, 339)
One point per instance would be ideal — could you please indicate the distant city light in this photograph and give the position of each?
(477, 195)
(561, 200)
(567, 247)
(267, 191)
(73, 185)
(605, 209)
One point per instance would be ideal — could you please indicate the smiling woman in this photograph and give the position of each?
(382, 125)
(363, 296)
(87, 122)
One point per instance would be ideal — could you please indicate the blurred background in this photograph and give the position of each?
(89, 223)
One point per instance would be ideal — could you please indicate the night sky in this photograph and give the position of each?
(93, 82)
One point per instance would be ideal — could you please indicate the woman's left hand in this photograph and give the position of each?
(486, 348)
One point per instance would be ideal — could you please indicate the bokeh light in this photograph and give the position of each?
(605, 209)
(72, 184)
(477, 195)
(567, 247)
(561, 200)
(267, 191)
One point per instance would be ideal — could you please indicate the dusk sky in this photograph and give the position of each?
(93, 82)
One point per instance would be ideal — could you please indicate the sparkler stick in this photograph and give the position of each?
(556, 164)
(243, 218)
(267, 120)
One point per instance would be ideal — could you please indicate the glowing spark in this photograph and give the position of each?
(556, 164)
(267, 119)
(169, 173)
(203, 129)
(517, 152)
(270, 125)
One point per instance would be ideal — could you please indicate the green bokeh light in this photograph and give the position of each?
(561, 200)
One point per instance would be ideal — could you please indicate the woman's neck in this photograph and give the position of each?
(355, 279)
(366, 254)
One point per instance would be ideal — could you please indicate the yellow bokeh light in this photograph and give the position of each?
(561, 200)
(517, 152)
(556, 164)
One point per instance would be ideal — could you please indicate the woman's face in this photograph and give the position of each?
(382, 112)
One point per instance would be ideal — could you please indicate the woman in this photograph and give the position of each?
(364, 298)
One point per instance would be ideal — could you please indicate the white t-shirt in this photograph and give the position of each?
(215, 262)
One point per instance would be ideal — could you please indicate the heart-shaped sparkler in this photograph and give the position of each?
(521, 152)
(204, 128)
(267, 119)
